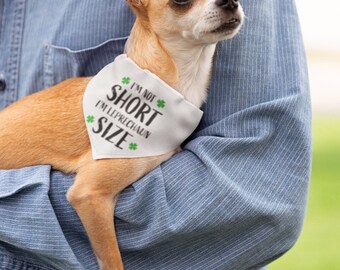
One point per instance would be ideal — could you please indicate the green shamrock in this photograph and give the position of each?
(90, 119)
(126, 80)
(161, 103)
(133, 146)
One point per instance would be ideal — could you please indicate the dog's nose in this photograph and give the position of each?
(230, 5)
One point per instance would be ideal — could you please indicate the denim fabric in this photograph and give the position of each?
(234, 198)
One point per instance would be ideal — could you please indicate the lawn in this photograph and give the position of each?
(319, 245)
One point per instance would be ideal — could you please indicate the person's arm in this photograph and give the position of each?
(33, 231)
(235, 198)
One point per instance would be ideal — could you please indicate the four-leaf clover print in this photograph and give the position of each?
(161, 103)
(133, 146)
(126, 80)
(90, 119)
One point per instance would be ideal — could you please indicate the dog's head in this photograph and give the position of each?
(197, 21)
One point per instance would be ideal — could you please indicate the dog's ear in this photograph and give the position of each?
(138, 5)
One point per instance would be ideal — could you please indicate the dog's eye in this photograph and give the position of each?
(181, 2)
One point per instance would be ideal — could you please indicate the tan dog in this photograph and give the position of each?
(174, 39)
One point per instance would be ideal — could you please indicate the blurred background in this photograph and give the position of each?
(318, 247)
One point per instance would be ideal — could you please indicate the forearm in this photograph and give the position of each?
(236, 202)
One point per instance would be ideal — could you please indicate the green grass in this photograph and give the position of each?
(318, 247)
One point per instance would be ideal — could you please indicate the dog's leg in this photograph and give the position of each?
(94, 199)
(97, 213)
(94, 195)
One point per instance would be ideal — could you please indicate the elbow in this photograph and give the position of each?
(286, 227)
(291, 227)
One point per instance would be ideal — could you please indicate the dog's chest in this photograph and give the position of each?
(194, 76)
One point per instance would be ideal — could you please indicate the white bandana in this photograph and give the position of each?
(130, 112)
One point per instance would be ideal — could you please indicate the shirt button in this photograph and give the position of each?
(2, 84)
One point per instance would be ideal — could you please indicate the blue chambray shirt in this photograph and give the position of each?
(234, 198)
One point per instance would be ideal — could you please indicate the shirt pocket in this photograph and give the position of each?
(61, 63)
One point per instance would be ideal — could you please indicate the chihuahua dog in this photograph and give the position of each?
(174, 39)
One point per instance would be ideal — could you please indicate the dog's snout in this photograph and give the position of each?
(230, 5)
